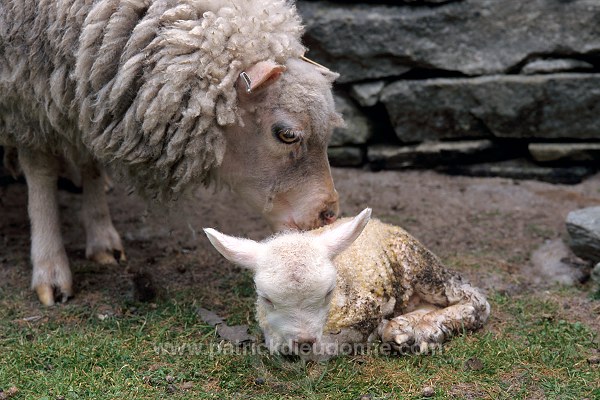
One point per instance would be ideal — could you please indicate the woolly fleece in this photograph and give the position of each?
(146, 86)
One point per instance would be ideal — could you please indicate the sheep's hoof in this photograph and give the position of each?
(47, 294)
(107, 257)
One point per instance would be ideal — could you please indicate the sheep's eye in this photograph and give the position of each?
(328, 295)
(285, 134)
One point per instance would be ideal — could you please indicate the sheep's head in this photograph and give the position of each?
(295, 277)
(276, 158)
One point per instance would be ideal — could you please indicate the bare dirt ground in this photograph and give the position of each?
(484, 227)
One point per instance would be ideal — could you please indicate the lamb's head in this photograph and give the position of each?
(295, 278)
(276, 159)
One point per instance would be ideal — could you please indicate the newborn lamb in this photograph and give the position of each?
(324, 289)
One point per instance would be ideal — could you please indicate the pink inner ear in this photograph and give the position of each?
(264, 72)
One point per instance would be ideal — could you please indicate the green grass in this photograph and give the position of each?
(526, 351)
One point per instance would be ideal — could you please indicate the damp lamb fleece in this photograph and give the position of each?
(145, 85)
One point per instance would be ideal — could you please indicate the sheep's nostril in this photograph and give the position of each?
(328, 216)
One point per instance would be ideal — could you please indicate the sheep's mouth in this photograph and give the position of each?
(291, 225)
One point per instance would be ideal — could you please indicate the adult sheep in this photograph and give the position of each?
(174, 93)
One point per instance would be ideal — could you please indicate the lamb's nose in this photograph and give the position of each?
(305, 339)
(304, 344)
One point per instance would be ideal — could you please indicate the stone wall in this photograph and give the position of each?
(483, 87)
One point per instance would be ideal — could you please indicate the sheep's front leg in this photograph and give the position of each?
(455, 307)
(102, 239)
(50, 264)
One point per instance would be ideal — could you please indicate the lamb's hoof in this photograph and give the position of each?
(407, 344)
(408, 339)
(396, 331)
(48, 294)
(399, 334)
(107, 257)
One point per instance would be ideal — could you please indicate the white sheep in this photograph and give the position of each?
(321, 290)
(173, 94)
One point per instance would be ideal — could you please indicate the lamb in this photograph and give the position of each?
(321, 290)
(171, 94)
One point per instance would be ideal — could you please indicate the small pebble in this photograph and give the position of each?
(186, 385)
(10, 392)
(428, 391)
(259, 381)
(60, 397)
(547, 317)
(594, 360)
(365, 397)
(473, 364)
(171, 388)
(170, 378)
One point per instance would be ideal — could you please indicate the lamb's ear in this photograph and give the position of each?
(240, 251)
(338, 121)
(329, 74)
(341, 237)
(260, 75)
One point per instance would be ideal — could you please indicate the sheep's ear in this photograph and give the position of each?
(240, 251)
(260, 75)
(326, 72)
(341, 237)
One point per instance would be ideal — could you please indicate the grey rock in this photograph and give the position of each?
(595, 274)
(427, 153)
(210, 317)
(473, 37)
(572, 152)
(583, 227)
(345, 156)
(358, 127)
(513, 106)
(236, 334)
(522, 169)
(428, 391)
(367, 94)
(554, 263)
(548, 66)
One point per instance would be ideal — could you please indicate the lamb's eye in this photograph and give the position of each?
(286, 135)
(267, 301)
(328, 295)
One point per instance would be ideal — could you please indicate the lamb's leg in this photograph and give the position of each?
(447, 310)
(101, 236)
(50, 264)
